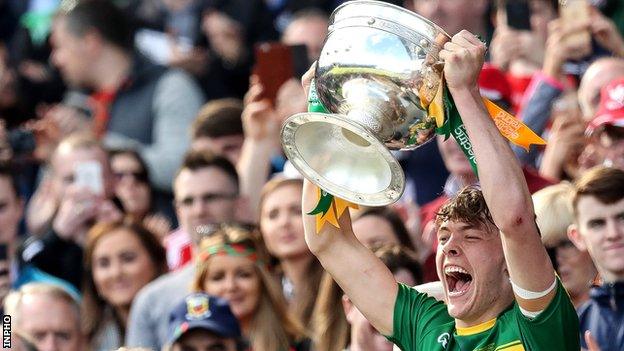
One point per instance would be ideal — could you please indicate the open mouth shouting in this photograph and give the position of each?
(458, 280)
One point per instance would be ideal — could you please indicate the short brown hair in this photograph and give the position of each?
(467, 206)
(218, 118)
(604, 183)
(195, 160)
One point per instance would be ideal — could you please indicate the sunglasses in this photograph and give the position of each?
(137, 176)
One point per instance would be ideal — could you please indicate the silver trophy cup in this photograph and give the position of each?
(377, 73)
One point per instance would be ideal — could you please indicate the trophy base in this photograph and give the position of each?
(343, 158)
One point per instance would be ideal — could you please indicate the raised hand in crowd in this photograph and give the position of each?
(67, 119)
(509, 45)
(504, 47)
(261, 129)
(592, 345)
(559, 50)
(606, 33)
(259, 116)
(193, 59)
(52, 125)
(78, 210)
(108, 212)
(565, 143)
(42, 207)
(158, 224)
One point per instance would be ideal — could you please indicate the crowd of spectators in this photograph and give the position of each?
(145, 201)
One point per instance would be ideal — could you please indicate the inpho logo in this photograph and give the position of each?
(6, 331)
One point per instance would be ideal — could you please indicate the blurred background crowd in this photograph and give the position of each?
(143, 189)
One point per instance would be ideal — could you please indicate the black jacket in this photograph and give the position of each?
(55, 256)
(603, 316)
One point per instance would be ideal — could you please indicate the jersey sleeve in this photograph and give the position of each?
(414, 314)
(556, 328)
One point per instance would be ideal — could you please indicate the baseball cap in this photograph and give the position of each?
(205, 312)
(610, 108)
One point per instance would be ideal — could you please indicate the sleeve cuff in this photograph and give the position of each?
(541, 76)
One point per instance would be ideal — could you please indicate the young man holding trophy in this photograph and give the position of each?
(500, 288)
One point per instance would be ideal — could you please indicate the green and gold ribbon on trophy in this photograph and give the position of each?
(379, 87)
(329, 208)
(448, 122)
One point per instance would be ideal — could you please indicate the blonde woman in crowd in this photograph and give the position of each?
(120, 259)
(282, 232)
(553, 211)
(233, 265)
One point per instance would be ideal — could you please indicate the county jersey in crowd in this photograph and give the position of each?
(423, 323)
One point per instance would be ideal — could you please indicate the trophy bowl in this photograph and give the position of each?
(377, 73)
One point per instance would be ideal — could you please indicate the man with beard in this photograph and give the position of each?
(500, 289)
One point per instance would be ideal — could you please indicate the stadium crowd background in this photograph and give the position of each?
(138, 147)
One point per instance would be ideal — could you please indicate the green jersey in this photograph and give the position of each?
(422, 323)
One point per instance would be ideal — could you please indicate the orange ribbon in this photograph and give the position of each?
(336, 209)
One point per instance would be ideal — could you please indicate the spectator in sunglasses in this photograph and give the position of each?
(132, 187)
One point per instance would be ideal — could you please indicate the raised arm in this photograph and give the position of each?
(502, 182)
(361, 275)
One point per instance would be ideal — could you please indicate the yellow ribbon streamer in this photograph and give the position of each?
(510, 127)
(337, 208)
(436, 107)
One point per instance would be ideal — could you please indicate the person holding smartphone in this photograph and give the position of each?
(519, 41)
(83, 186)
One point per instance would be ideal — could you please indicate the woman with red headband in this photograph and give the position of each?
(234, 265)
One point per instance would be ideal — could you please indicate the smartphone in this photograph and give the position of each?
(518, 14)
(88, 174)
(275, 63)
(574, 11)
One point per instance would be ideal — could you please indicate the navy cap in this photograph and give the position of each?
(202, 311)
